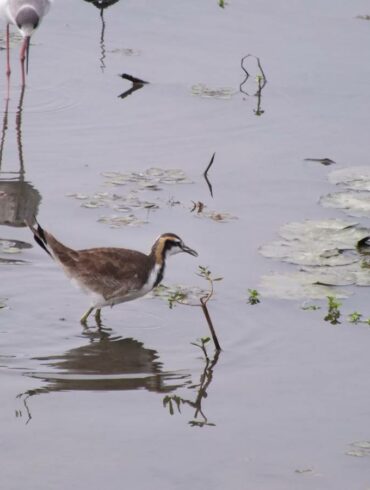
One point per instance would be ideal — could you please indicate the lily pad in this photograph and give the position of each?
(327, 255)
(354, 178)
(148, 178)
(362, 444)
(317, 243)
(202, 90)
(351, 202)
(120, 221)
(296, 286)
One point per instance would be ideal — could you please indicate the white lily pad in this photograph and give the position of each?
(361, 444)
(297, 286)
(201, 90)
(353, 203)
(358, 453)
(317, 243)
(120, 221)
(354, 178)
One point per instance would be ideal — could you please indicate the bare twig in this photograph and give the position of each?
(137, 84)
(205, 174)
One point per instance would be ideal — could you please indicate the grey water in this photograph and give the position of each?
(286, 403)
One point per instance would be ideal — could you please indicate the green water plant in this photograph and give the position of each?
(334, 313)
(254, 297)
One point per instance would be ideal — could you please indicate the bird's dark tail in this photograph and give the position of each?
(39, 236)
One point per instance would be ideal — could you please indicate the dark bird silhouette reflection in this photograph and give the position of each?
(102, 5)
(19, 200)
(105, 363)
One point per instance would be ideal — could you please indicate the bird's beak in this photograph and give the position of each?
(189, 251)
(28, 38)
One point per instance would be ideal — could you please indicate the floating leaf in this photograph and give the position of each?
(354, 178)
(202, 90)
(353, 203)
(119, 221)
(358, 453)
(317, 243)
(296, 285)
(361, 444)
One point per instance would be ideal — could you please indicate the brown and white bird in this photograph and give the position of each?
(112, 275)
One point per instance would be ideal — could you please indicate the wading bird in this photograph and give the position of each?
(112, 275)
(26, 15)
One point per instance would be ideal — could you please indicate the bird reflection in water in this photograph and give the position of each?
(105, 363)
(102, 5)
(175, 402)
(19, 200)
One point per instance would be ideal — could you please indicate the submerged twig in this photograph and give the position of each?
(205, 174)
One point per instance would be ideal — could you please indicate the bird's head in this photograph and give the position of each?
(170, 244)
(27, 20)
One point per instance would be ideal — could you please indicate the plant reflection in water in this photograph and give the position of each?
(201, 391)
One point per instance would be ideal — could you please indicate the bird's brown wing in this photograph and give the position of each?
(111, 271)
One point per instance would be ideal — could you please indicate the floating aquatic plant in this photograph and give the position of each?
(327, 254)
(317, 243)
(359, 449)
(119, 221)
(354, 199)
(202, 90)
(254, 297)
(333, 313)
(149, 178)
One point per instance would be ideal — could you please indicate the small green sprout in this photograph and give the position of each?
(355, 317)
(221, 3)
(333, 310)
(254, 297)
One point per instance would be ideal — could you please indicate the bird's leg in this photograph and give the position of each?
(7, 51)
(23, 57)
(86, 315)
(98, 316)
